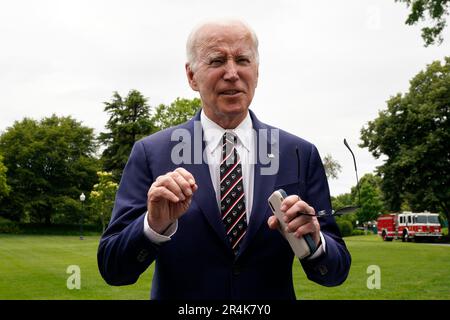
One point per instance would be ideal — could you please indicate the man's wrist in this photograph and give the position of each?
(160, 228)
(320, 249)
(165, 230)
(157, 237)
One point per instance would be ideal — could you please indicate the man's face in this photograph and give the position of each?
(225, 73)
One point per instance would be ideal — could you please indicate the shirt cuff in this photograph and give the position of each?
(321, 249)
(155, 237)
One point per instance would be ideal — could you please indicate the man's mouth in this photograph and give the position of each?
(230, 92)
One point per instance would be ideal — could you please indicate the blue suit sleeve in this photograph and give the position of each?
(124, 251)
(332, 267)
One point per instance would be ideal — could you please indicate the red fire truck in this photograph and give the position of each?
(409, 226)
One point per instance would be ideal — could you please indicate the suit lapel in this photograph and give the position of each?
(206, 198)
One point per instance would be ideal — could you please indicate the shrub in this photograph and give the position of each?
(357, 232)
(8, 226)
(13, 227)
(345, 227)
(59, 229)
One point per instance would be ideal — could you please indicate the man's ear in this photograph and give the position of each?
(191, 78)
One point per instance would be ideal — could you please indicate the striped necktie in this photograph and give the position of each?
(232, 197)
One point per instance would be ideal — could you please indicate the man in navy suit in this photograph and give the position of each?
(210, 236)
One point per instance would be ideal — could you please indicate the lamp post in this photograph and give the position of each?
(82, 198)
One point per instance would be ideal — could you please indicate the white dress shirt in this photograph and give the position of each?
(246, 148)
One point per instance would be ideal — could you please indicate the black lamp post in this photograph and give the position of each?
(82, 198)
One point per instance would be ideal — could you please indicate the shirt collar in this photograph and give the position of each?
(213, 133)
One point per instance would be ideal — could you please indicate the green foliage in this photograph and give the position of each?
(8, 226)
(332, 167)
(66, 210)
(59, 229)
(413, 133)
(370, 200)
(49, 163)
(14, 227)
(371, 204)
(102, 197)
(4, 188)
(346, 223)
(437, 11)
(342, 200)
(345, 226)
(352, 217)
(129, 120)
(178, 112)
(357, 232)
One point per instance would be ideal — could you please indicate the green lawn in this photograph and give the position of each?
(34, 267)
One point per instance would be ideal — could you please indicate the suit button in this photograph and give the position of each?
(323, 270)
(236, 270)
(143, 254)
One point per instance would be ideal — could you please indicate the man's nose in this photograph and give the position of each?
(231, 71)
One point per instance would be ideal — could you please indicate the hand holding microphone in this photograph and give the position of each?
(297, 221)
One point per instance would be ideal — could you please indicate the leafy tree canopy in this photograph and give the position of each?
(129, 120)
(331, 166)
(4, 188)
(178, 112)
(370, 198)
(413, 133)
(436, 11)
(342, 200)
(50, 162)
(102, 198)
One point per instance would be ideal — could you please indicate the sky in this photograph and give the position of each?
(326, 68)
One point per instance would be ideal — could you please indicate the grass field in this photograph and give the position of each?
(34, 267)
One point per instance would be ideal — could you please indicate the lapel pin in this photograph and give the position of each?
(270, 155)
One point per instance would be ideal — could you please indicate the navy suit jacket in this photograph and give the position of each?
(198, 263)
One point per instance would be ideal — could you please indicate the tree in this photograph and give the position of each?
(128, 122)
(437, 11)
(50, 162)
(331, 166)
(102, 197)
(345, 226)
(342, 200)
(4, 188)
(339, 202)
(371, 203)
(413, 133)
(178, 112)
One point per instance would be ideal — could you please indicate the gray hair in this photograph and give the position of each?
(191, 44)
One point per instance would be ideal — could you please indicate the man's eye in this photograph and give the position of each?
(243, 61)
(216, 62)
